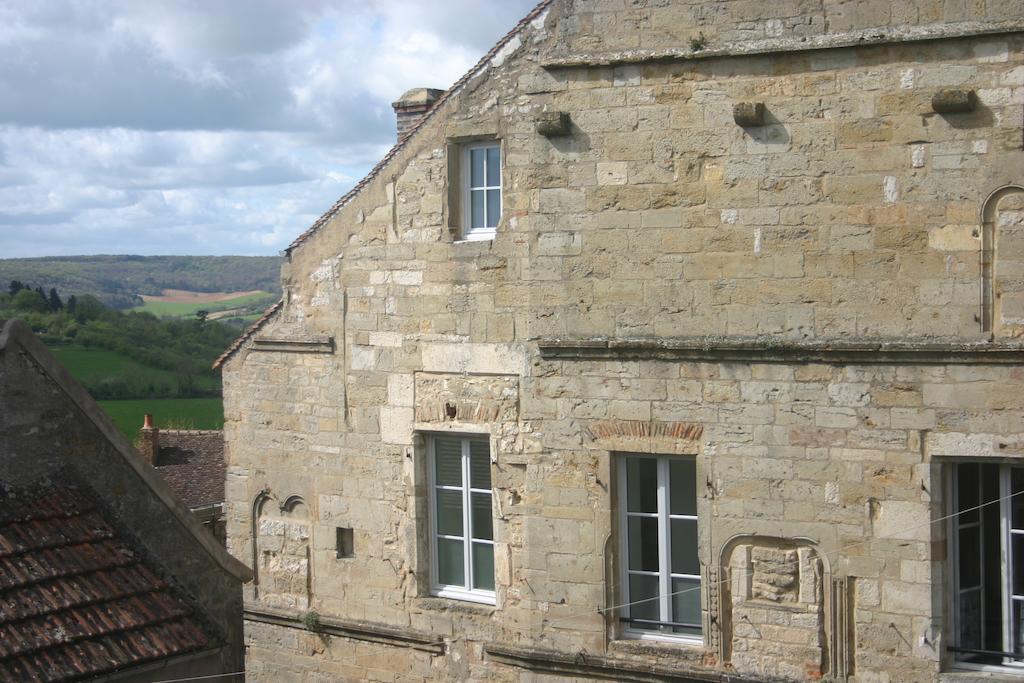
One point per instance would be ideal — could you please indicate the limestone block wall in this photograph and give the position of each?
(853, 214)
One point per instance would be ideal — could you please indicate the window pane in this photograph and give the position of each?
(447, 461)
(493, 167)
(476, 200)
(644, 588)
(967, 492)
(683, 486)
(1017, 610)
(479, 465)
(476, 167)
(686, 604)
(970, 619)
(1017, 502)
(493, 208)
(483, 566)
(643, 543)
(449, 512)
(1017, 542)
(450, 568)
(642, 485)
(482, 519)
(684, 547)
(970, 557)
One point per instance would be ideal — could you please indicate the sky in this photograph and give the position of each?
(208, 126)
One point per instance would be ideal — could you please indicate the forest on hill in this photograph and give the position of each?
(118, 281)
(123, 355)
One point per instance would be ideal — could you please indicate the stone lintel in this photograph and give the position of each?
(930, 351)
(602, 666)
(356, 630)
(294, 344)
(768, 46)
(553, 124)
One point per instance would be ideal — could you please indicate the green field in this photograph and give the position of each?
(92, 367)
(180, 310)
(168, 413)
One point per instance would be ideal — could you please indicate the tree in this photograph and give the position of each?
(72, 304)
(29, 301)
(88, 307)
(16, 286)
(55, 303)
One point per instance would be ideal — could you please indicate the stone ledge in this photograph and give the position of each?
(599, 666)
(294, 345)
(859, 38)
(355, 630)
(930, 351)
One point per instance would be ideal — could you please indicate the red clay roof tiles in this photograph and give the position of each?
(76, 600)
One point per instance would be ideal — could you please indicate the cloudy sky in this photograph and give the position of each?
(208, 126)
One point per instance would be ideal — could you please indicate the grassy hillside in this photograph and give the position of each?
(118, 281)
(168, 413)
(108, 373)
(228, 302)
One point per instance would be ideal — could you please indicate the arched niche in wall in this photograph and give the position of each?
(1002, 262)
(772, 585)
(282, 547)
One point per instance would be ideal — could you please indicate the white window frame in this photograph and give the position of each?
(465, 592)
(665, 574)
(469, 233)
(1006, 533)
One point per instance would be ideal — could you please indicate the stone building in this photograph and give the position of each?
(104, 574)
(678, 340)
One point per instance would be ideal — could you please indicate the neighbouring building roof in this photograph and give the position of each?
(79, 597)
(192, 464)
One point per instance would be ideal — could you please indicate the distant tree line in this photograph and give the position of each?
(186, 348)
(118, 281)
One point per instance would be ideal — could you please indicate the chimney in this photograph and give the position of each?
(149, 440)
(411, 106)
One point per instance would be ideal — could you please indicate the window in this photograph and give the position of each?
(481, 183)
(462, 528)
(988, 564)
(660, 568)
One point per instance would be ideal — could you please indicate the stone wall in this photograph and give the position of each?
(853, 216)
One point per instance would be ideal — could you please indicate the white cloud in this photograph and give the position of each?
(208, 127)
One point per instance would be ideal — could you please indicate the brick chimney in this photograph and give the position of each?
(411, 106)
(149, 440)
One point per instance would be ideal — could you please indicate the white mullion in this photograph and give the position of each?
(624, 533)
(1005, 565)
(467, 529)
(664, 546)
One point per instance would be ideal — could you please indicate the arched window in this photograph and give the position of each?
(282, 551)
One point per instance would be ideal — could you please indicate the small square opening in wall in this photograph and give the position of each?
(343, 543)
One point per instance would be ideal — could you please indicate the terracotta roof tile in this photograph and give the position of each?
(76, 599)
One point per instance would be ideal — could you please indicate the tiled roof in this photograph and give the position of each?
(192, 464)
(382, 164)
(76, 598)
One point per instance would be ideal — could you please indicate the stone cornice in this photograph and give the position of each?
(321, 344)
(930, 351)
(600, 666)
(356, 630)
(859, 38)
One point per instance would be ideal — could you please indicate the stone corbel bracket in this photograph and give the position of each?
(748, 114)
(954, 101)
(553, 124)
(322, 344)
(779, 350)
